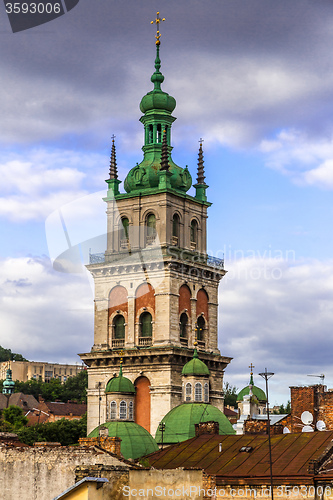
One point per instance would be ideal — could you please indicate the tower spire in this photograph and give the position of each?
(164, 155)
(251, 374)
(157, 77)
(201, 170)
(113, 163)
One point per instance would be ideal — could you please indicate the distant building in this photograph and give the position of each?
(37, 370)
(50, 412)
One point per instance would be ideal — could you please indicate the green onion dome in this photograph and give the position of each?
(9, 384)
(180, 422)
(135, 440)
(256, 391)
(195, 366)
(120, 384)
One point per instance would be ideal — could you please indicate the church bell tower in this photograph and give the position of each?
(156, 289)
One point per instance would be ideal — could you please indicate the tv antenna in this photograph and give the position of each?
(322, 377)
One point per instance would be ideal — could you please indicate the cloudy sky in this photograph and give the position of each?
(255, 80)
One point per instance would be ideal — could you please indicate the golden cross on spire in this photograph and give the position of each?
(157, 22)
(251, 368)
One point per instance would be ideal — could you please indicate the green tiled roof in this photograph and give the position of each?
(180, 422)
(135, 440)
(195, 366)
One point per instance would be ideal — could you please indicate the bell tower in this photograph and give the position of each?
(156, 289)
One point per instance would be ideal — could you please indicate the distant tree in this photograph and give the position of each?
(230, 394)
(285, 409)
(14, 415)
(75, 388)
(62, 431)
(8, 355)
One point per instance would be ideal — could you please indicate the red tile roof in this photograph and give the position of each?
(65, 409)
(292, 455)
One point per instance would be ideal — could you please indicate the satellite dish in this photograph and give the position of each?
(286, 430)
(307, 418)
(321, 426)
(307, 428)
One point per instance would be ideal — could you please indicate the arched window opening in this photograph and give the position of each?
(200, 330)
(198, 392)
(150, 134)
(146, 329)
(159, 132)
(130, 410)
(113, 410)
(183, 328)
(118, 335)
(194, 234)
(175, 229)
(188, 392)
(124, 233)
(206, 393)
(150, 229)
(123, 410)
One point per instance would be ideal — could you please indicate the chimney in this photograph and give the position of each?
(206, 428)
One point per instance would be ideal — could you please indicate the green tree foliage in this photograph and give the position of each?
(73, 389)
(8, 355)
(230, 395)
(62, 431)
(14, 415)
(285, 409)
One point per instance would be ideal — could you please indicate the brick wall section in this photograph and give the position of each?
(145, 297)
(206, 428)
(260, 427)
(314, 399)
(116, 475)
(110, 444)
(202, 303)
(185, 299)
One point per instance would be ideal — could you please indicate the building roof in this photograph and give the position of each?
(296, 456)
(24, 401)
(195, 366)
(100, 480)
(65, 409)
(179, 423)
(135, 440)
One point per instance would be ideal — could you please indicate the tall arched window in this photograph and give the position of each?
(150, 134)
(150, 228)
(123, 410)
(113, 410)
(200, 330)
(159, 132)
(118, 339)
(130, 411)
(198, 392)
(175, 229)
(124, 233)
(188, 392)
(146, 329)
(194, 233)
(183, 327)
(206, 393)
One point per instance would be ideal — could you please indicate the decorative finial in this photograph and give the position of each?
(113, 162)
(164, 156)
(195, 353)
(251, 374)
(201, 171)
(157, 22)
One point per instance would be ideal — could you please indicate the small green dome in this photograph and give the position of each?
(135, 440)
(180, 422)
(256, 391)
(120, 384)
(195, 366)
(8, 384)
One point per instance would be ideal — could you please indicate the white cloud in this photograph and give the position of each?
(45, 315)
(277, 314)
(35, 183)
(306, 160)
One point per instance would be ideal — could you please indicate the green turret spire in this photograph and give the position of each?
(9, 384)
(113, 182)
(157, 107)
(200, 186)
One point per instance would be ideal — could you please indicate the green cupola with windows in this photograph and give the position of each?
(157, 120)
(195, 366)
(120, 383)
(9, 384)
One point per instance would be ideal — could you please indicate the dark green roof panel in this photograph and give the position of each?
(120, 384)
(135, 440)
(180, 422)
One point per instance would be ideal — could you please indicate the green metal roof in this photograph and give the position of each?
(180, 422)
(135, 440)
(256, 391)
(8, 384)
(195, 366)
(120, 383)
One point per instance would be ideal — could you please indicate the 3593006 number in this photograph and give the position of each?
(33, 8)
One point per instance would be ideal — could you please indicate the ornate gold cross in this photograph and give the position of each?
(157, 22)
(251, 367)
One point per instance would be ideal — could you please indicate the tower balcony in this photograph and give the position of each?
(118, 342)
(145, 341)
